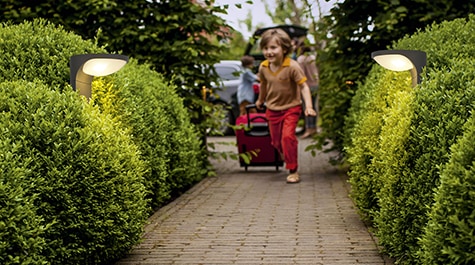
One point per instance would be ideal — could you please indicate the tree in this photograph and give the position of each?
(292, 12)
(284, 12)
(236, 46)
(179, 38)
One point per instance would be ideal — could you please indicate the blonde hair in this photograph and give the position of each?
(280, 36)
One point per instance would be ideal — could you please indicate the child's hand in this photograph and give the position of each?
(310, 112)
(259, 104)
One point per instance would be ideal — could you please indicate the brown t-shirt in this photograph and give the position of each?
(282, 87)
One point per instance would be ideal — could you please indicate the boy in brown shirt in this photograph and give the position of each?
(282, 88)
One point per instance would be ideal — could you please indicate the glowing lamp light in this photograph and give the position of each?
(85, 66)
(394, 62)
(103, 67)
(402, 60)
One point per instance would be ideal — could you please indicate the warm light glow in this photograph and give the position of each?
(394, 62)
(103, 66)
(402, 60)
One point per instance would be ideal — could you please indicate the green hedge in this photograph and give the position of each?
(442, 106)
(399, 139)
(141, 100)
(21, 229)
(79, 179)
(450, 234)
(378, 130)
(39, 51)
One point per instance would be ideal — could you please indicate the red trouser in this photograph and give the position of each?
(282, 125)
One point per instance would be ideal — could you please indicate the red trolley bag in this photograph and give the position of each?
(253, 136)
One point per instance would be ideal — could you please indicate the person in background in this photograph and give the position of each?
(295, 48)
(308, 63)
(282, 88)
(245, 92)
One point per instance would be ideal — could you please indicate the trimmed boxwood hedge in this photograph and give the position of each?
(39, 51)
(442, 107)
(79, 178)
(21, 229)
(450, 234)
(400, 140)
(141, 100)
(379, 129)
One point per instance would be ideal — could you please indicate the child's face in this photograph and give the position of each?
(273, 52)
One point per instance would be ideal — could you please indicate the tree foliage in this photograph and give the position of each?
(236, 47)
(297, 12)
(286, 12)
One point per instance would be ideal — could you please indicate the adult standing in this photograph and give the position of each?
(307, 61)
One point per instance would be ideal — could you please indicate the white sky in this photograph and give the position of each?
(258, 13)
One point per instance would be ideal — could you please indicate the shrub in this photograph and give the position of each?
(39, 51)
(82, 174)
(379, 125)
(449, 235)
(442, 106)
(21, 230)
(78, 175)
(143, 101)
(411, 139)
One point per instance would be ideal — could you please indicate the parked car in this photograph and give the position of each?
(225, 92)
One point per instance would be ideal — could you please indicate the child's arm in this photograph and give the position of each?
(262, 93)
(307, 98)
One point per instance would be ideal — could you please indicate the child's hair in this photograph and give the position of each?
(280, 36)
(247, 60)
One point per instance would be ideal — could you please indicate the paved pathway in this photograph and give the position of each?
(255, 217)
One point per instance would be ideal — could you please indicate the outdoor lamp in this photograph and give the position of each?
(85, 66)
(402, 60)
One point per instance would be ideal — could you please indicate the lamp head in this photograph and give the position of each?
(394, 62)
(402, 60)
(103, 66)
(85, 66)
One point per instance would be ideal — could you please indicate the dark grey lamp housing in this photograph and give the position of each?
(85, 66)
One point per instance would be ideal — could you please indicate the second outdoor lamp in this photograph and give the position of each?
(402, 60)
(85, 66)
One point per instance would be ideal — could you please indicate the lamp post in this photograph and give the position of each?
(84, 67)
(402, 60)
